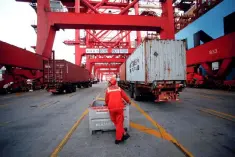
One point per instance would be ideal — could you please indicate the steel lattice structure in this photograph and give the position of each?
(98, 19)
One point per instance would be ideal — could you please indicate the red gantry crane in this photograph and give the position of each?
(107, 25)
(99, 19)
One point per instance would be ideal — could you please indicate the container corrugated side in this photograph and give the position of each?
(76, 73)
(59, 71)
(135, 65)
(65, 72)
(122, 72)
(166, 60)
(157, 60)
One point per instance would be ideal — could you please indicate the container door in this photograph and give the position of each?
(166, 60)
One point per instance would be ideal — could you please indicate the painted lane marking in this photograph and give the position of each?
(68, 135)
(225, 114)
(97, 96)
(45, 104)
(216, 114)
(145, 129)
(208, 97)
(5, 123)
(163, 132)
(18, 94)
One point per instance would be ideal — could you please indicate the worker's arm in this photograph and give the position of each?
(106, 98)
(125, 97)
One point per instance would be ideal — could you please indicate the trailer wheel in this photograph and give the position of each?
(69, 89)
(86, 85)
(132, 94)
(74, 88)
(132, 91)
(136, 98)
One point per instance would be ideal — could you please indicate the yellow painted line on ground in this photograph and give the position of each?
(18, 94)
(216, 114)
(68, 135)
(5, 123)
(45, 104)
(208, 97)
(97, 96)
(225, 114)
(3, 105)
(163, 132)
(145, 129)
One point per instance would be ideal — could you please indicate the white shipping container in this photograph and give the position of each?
(157, 60)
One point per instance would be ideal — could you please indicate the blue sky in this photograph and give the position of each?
(15, 28)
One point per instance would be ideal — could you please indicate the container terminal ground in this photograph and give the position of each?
(40, 124)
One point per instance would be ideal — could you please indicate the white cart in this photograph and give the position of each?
(99, 118)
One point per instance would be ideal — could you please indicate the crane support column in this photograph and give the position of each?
(46, 33)
(169, 29)
(78, 55)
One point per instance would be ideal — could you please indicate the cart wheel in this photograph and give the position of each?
(92, 132)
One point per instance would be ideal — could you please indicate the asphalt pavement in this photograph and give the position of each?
(39, 124)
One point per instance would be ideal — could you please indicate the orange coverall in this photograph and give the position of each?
(114, 99)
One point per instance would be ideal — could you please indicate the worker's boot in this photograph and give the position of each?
(125, 137)
(118, 141)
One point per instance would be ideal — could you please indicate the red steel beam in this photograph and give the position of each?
(90, 6)
(103, 34)
(169, 28)
(106, 66)
(99, 33)
(96, 38)
(93, 3)
(128, 7)
(117, 42)
(45, 33)
(107, 60)
(98, 5)
(123, 12)
(78, 53)
(18, 57)
(100, 22)
(138, 33)
(102, 71)
(104, 54)
(73, 42)
(116, 35)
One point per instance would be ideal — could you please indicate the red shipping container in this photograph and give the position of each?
(123, 72)
(65, 72)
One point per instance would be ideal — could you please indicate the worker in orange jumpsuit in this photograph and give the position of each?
(114, 99)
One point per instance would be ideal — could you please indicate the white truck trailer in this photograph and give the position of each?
(156, 67)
